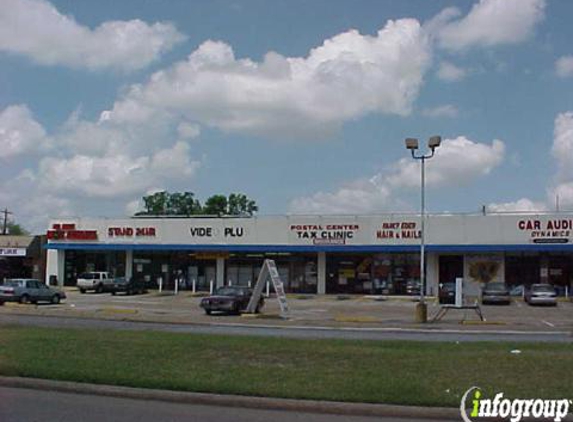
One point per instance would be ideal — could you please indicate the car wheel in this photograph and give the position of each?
(1, 302)
(208, 311)
(99, 288)
(55, 299)
(82, 291)
(24, 299)
(236, 309)
(113, 293)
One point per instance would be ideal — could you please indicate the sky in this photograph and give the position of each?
(301, 105)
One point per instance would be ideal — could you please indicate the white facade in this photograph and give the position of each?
(484, 241)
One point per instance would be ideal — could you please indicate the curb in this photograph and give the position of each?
(263, 403)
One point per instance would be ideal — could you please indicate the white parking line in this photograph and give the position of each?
(548, 323)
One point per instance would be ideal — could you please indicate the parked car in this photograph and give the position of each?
(413, 287)
(447, 293)
(29, 290)
(541, 294)
(229, 299)
(495, 292)
(98, 281)
(129, 286)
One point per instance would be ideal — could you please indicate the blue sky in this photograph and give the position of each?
(303, 106)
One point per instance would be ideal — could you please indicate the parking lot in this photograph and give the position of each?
(321, 311)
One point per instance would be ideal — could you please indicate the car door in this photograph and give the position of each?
(32, 289)
(44, 292)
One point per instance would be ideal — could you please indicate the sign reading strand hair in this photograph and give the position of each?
(269, 269)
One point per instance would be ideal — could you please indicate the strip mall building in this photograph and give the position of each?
(319, 254)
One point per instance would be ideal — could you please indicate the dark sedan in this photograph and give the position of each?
(129, 286)
(495, 292)
(230, 300)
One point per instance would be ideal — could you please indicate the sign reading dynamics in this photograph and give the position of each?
(69, 232)
(549, 231)
(329, 234)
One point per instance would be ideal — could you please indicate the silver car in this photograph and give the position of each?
(541, 294)
(28, 290)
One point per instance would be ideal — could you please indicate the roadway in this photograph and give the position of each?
(302, 332)
(24, 405)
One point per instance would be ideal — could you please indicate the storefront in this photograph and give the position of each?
(22, 256)
(332, 255)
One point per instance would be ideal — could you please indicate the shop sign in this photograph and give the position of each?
(549, 231)
(12, 252)
(207, 231)
(131, 232)
(69, 232)
(398, 230)
(328, 234)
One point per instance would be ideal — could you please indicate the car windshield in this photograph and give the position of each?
(543, 288)
(87, 276)
(230, 291)
(495, 286)
(449, 286)
(120, 280)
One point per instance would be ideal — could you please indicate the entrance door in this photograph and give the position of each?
(451, 267)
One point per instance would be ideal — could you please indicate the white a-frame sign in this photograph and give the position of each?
(269, 269)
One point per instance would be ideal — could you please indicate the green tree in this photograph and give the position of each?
(184, 203)
(216, 205)
(166, 203)
(16, 230)
(240, 204)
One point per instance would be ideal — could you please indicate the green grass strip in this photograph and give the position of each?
(393, 372)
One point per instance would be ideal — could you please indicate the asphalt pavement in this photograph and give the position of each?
(303, 332)
(31, 405)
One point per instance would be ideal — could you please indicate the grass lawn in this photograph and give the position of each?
(397, 372)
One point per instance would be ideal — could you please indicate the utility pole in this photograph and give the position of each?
(5, 225)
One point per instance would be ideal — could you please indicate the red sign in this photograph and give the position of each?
(131, 232)
(69, 232)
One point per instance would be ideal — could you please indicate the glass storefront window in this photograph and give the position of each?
(371, 274)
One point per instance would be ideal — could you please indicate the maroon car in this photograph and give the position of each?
(230, 300)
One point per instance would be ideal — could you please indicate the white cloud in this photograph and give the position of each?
(348, 76)
(564, 66)
(490, 23)
(36, 29)
(447, 110)
(563, 146)
(521, 205)
(449, 72)
(20, 133)
(114, 175)
(187, 130)
(457, 162)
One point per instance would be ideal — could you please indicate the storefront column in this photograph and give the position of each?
(432, 274)
(55, 265)
(544, 269)
(128, 264)
(321, 273)
(220, 276)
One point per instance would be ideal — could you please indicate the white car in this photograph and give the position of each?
(98, 281)
(541, 294)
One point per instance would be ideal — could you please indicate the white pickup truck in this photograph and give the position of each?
(99, 281)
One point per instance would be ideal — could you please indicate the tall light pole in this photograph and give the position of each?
(412, 144)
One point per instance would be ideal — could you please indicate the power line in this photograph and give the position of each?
(5, 226)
